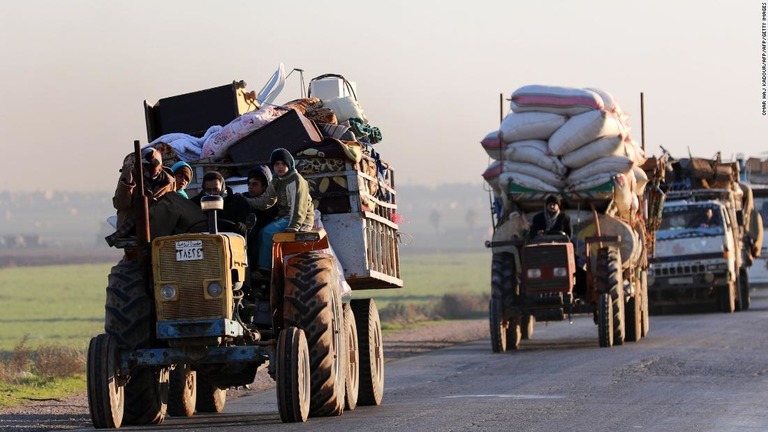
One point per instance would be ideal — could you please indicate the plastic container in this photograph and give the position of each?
(330, 88)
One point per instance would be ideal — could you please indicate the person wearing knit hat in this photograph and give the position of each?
(551, 220)
(290, 192)
(183, 174)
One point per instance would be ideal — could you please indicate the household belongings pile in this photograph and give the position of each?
(330, 138)
(564, 140)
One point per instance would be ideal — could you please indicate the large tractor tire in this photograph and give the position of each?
(371, 349)
(292, 376)
(726, 298)
(609, 281)
(504, 284)
(633, 315)
(646, 307)
(129, 321)
(105, 397)
(498, 327)
(182, 392)
(527, 324)
(210, 398)
(745, 300)
(352, 358)
(605, 320)
(311, 301)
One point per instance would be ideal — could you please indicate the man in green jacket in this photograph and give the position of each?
(290, 191)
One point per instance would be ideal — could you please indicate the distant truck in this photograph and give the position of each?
(703, 249)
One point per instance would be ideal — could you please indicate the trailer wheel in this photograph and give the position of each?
(497, 326)
(129, 319)
(646, 307)
(514, 334)
(106, 397)
(352, 358)
(210, 398)
(745, 300)
(311, 302)
(605, 320)
(292, 370)
(633, 315)
(182, 392)
(527, 325)
(727, 298)
(371, 349)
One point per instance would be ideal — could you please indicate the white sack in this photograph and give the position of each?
(592, 151)
(622, 194)
(608, 164)
(493, 145)
(641, 180)
(556, 100)
(536, 171)
(530, 125)
(581, 129)
(534, 152)
(589, 182)
(527, 181)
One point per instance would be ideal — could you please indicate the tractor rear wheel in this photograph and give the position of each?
(292, 370)
(352, 358)
(371, 349)
(311, 301)
(105, 396)
(129, 320)
(182, 393)
(210, 398)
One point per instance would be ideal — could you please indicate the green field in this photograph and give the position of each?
(64, 305)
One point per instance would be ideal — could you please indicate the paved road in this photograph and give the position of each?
(702, 372)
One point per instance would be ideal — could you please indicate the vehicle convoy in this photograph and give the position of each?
(573, 144)
(183, 322)
(704, 246)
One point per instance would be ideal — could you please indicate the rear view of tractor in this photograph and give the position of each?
(572, 144)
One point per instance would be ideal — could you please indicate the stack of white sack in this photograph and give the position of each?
(560, 139)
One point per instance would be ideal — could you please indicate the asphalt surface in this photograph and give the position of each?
(700, 372)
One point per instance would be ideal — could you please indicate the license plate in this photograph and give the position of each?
(681, 280)
(189, 250)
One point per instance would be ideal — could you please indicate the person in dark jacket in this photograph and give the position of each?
(258, 180)
(236, 208)
(551, 220)
(290, 192)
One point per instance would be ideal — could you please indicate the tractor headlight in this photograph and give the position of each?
(559, 272)
(709, 277)
(534, 273)
(214, 289)
(651, 279)
(168, 292)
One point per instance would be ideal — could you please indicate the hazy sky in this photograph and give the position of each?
(428, 73)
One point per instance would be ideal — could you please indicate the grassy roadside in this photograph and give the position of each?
(55, 310)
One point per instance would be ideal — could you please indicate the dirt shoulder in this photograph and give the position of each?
(72, 412)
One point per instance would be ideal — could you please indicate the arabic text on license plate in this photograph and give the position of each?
(189, 250)
(681, 281)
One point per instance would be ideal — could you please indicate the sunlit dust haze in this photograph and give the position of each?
(429, 74)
